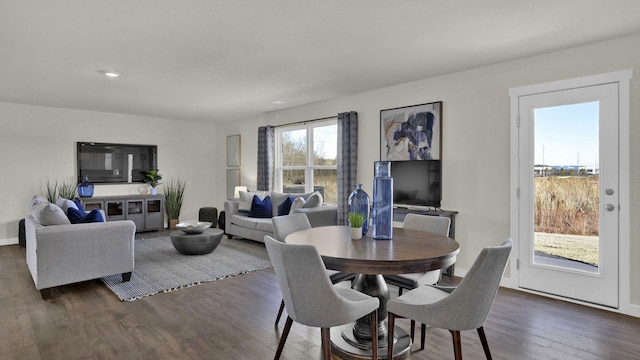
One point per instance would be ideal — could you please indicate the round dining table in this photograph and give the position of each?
(409, 251)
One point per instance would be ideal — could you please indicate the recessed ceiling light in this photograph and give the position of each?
(111, 74)
(281, 101)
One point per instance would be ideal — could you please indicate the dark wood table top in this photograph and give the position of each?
(409, 251)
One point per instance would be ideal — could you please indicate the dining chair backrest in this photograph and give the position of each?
(434, 224)
(468, 305)
(288, 224)
(308, 294)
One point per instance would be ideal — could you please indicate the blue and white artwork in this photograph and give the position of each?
(411, 133)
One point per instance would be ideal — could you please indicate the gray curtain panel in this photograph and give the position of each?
(347, 160)
(266, 152)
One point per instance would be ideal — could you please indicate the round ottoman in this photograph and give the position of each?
(196, 244)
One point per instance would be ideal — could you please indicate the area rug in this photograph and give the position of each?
(160, 268)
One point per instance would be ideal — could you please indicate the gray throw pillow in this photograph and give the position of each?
(65, 204)
(298, 203)
(49, 214)
(314, 200)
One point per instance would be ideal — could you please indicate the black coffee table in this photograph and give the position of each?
(196, 244)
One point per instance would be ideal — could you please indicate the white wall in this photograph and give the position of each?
(476, 129)
(39, 143)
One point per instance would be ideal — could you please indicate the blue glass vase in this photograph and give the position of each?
(382, 214)
(85, 188)
(359, 203)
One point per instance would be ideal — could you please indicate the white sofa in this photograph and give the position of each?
(69, 253)
(243, 226)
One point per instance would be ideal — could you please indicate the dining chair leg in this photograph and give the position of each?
(374, 334)
(326, 343)
(279, 312)
(391, 324)
(457, 344)
(485, 344)
(283, 337)
(423, 333)
(413, 330)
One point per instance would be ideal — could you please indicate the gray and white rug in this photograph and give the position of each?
(160, 268)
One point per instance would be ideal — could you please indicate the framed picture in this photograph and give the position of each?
(233, 151)
(411, 132)
(233, 180)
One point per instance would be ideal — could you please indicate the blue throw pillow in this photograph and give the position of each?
(79, 205)
(261, 208)
(76, 217)
(285, 206)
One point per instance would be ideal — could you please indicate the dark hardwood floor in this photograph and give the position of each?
(233, 319)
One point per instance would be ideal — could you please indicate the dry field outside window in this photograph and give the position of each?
(566, 217)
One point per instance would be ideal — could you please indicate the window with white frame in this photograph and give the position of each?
(306, 158)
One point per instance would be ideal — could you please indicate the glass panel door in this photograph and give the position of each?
(568, 202)
(566, 186)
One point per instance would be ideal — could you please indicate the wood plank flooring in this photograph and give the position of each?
(233, 319)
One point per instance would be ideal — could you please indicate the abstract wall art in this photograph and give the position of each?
(411, 132)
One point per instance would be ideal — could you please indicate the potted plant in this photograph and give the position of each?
(356, 220)
(173, 196)
(67, 190)
(153, 177)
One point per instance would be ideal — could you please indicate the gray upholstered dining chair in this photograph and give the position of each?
(310, 297)
(434, 224)
(464, 307)
(288, 224)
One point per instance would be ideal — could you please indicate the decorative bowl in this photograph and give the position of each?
(193, 227)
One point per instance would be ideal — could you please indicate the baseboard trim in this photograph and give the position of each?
(10, 241)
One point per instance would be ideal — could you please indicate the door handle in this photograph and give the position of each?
(609, 207)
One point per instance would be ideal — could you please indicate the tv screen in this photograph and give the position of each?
(115, 163)
(416, 183)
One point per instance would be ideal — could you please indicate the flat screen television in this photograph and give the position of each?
(417, 183)
(115, 163)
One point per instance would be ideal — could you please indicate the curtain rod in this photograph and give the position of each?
(305, 121)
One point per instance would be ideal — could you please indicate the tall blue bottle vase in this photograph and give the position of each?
(359, 203)
(382, 214)
(85, 188)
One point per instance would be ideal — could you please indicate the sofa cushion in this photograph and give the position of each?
(262, 224)
(49, 214)
(65, 204)
(285, 206)
(77, 217)
(261, 208)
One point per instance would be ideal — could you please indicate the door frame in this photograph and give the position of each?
(622, 78)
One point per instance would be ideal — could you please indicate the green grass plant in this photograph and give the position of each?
(68, 189)
(356, 219)
(51, 191)
(173, 197)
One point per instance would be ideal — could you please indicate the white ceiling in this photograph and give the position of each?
(223, 60)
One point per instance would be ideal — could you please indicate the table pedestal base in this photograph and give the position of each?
(345, 345)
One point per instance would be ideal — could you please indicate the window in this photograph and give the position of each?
(306, 159)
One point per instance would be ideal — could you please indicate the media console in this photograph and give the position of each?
(146, 211)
